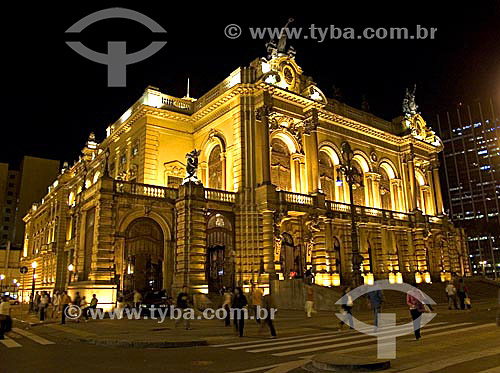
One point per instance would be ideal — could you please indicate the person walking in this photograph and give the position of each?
(256, 302)
(228, 297)
(461, 292)
(37, 301)
(376, 298)
(183, 305)
(347, 309)
(451, 292)
(239, 311)
(65, 301)
(42, 307)
(414, 299)
(5, 318)
(268, 308)
(309, 300)
(56, 299)
(137, 299)
(77, 299)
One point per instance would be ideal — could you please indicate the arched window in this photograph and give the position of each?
(421, 191)
(327, 175)
(215, 169)
(280, 165)
(385, 190)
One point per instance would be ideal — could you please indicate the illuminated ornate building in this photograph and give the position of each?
(271, 199)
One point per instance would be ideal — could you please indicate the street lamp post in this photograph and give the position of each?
(71, 268)
(352, 177)
(32, 300)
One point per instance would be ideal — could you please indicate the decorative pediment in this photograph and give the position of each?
(418, 129)
(282, 122)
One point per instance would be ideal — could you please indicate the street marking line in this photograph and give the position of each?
(280, 340)
(71, 330)
(256, 369)
(32, 336)
(325, 334)
(9, 343)
(351, 343)
(442, 364)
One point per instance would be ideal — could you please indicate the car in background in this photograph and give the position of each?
(153, 302)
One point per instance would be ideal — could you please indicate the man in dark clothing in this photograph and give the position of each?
(268, 320)
(238, 310)
(376, 299)
(461, 292)
(183, 304)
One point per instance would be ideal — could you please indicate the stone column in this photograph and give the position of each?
(223, 176)
(376, 190)
(437, 188)
(432, 200)
(263, 132)
(412, 179)
(268, 242)
(319, 250)
(190, 255)
(295, 161)
(311, 151)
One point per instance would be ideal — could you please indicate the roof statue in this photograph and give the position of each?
(409, 105)
(276, 50)
(192, 167)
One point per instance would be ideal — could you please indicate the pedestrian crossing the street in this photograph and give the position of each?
(17, 337)
(308, 344)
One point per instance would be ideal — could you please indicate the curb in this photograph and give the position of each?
(143, 344)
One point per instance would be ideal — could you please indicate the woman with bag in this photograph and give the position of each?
(414, 299)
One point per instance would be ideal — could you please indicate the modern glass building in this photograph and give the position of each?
(471, 164)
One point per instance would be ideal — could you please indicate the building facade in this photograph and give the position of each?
(19, 189)
(471, 160)
(270, 198)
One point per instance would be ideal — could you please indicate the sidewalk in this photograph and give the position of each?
(154, 334)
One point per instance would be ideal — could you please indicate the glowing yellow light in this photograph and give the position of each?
(368, 278)
(418, 277)
(392, 278)
(336, 279)
(399, 277)
(427, 277)
(2, 277)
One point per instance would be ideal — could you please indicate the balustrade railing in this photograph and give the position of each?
(367, 211)
(296, 198)
(145, 190)
(220, 195)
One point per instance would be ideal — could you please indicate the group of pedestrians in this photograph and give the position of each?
(59, 303)
(237, 306)
(460, 291)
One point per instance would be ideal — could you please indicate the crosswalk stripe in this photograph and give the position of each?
(371, 346)
(325, 334)
(9, 343)
(32, 336)
(334, 340)
(309, 339)
(69, 329)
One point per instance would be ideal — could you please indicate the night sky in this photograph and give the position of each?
(53, 97)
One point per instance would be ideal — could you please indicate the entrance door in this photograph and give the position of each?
(143, 256)
(220, 263)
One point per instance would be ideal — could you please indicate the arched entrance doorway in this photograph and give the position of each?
(291, 256)
(220, 265)
(144, 255)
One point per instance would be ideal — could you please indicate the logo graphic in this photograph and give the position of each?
(73, 312)
(386, 331)
(117, 58)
